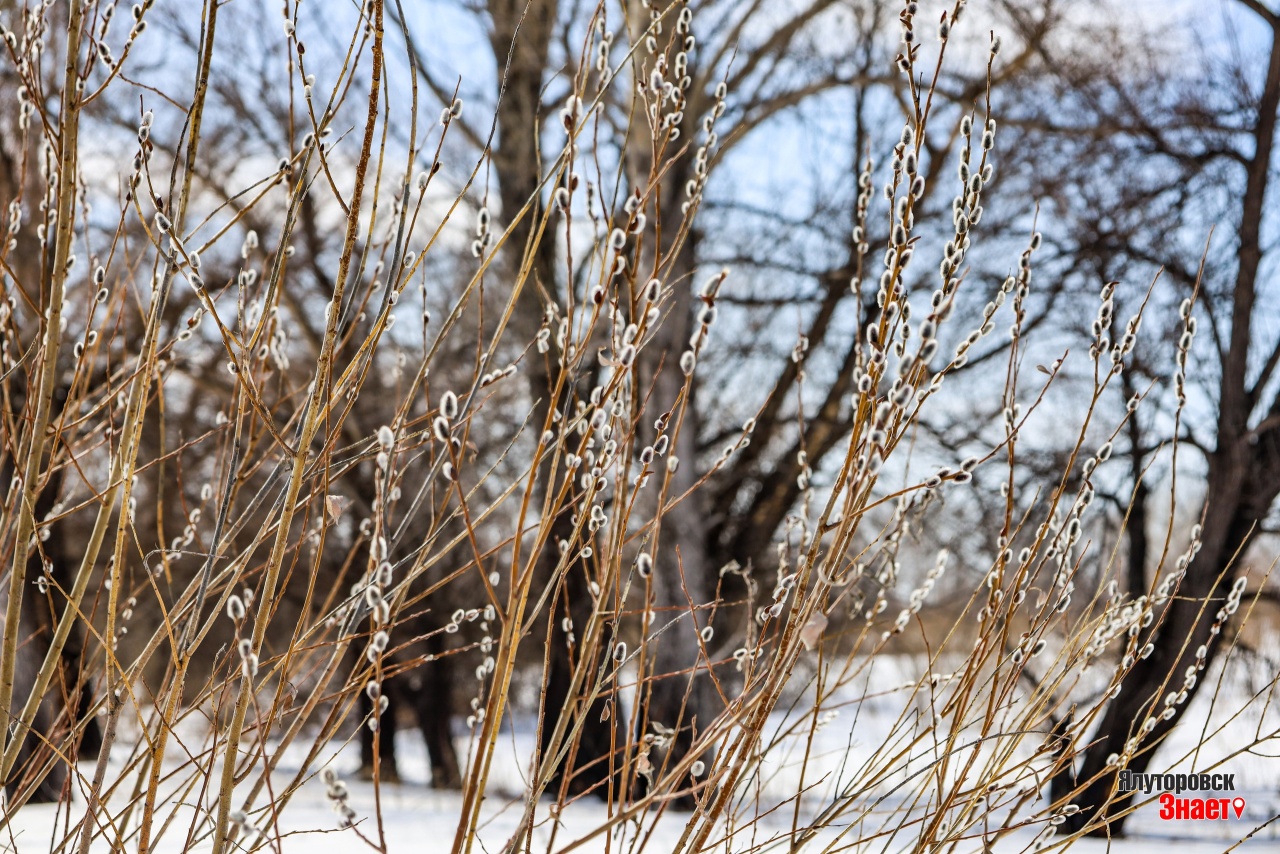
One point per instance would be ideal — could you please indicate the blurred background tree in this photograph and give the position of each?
(1124, 142)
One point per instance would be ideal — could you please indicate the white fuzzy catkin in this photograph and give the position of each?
(449, 405)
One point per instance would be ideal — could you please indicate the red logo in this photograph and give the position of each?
(1199, 809)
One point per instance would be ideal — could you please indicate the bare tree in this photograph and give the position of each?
(767, 71)
(1159, 144)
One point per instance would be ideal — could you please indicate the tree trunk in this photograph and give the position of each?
(589, 763)
(1139, 503)
(1243, 482)
(433, 706)
(381, 744)
(50, 725)
(678, 697)
(521, 39)
(1186, 625)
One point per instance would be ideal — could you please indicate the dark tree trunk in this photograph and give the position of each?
(521, 38)
(381, 744)
(69, 700)
(589, 760)
(1186, 625)
(50, 724)
(433, 706)
(1136, 528)
(428, 694)
(680, 695)
(1243, 482)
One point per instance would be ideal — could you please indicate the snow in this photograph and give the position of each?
(415, 818)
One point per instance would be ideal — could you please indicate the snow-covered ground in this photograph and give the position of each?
(417, 819)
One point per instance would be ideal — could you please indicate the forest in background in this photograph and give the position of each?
(639, 374)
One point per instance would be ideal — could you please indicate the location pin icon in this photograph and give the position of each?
(1238, 806)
